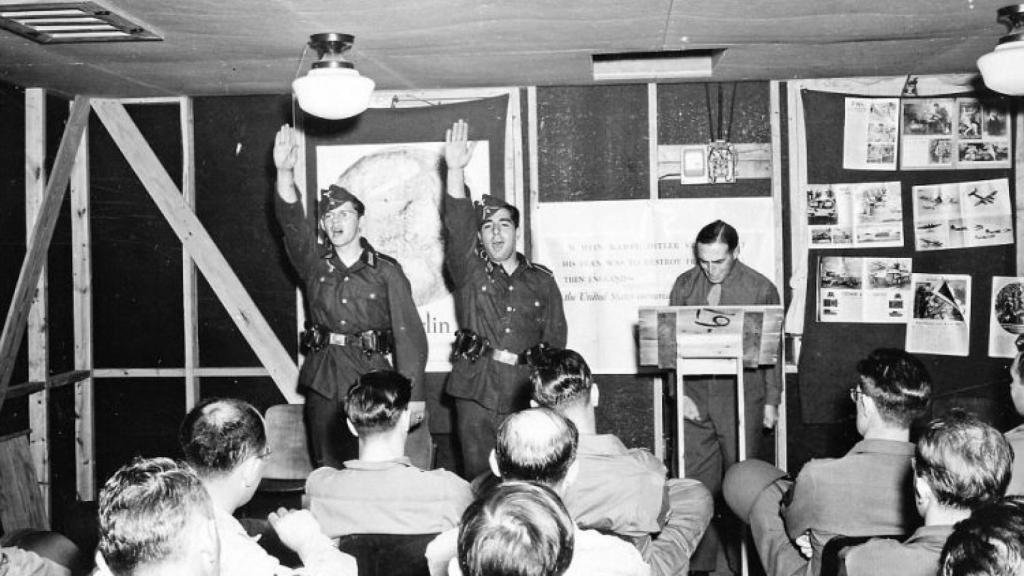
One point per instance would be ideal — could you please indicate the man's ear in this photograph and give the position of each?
(492, 459)
(572, 474)
(405, 420)
(533, 404)
(351, 427)
(251, 471)
(595, 395)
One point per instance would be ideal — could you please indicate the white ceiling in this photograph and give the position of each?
(254, 46)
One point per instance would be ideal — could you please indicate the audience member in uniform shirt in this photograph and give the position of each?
(225, 442)
(618, 489)
(1016, 436)
(989, 543)
(960, 463)
(383, 492)
(867, 492)
(539, 445)
(156, 519)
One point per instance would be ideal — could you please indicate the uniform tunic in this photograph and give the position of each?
(372, 294)
(513, 312)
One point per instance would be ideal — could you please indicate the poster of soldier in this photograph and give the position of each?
(1006, 318)
(864, 290)
(941, 323)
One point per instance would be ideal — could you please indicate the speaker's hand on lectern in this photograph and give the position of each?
(771, 416)
(690, 411)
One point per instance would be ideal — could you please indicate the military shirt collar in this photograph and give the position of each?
(368, 257)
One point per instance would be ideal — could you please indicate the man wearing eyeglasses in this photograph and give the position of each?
(225, 443)
(867, 492)
(361, 310)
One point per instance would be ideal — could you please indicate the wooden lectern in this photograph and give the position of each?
(705, 340)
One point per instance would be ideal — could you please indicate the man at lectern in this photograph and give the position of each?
(709, 404)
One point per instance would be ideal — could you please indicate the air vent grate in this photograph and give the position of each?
(73, 22)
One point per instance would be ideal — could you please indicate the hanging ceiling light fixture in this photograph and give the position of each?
(333, 89)
(1003, 68)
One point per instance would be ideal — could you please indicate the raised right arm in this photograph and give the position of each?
(299, 237)
(459, 217)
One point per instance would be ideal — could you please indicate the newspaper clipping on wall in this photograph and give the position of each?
(864, 290)
(946, 133)
(941, 323)
(862, 215)
(1006, 320)
(962, 215)
(869, 133)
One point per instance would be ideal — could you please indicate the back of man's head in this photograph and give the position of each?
(964, 461)
(516, 529)
(989, 543)
(376, 403)
(898, 383)
(220, 434)
(536, 445)
(155, 515)
(561, 378)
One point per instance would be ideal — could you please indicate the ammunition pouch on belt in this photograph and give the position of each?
(316, 337)
(472, 346)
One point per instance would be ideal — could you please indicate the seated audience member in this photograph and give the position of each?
(539, 445)
(989, 543)
(382, 492)
(960, 464)
(156, 519)
(1016, 436)
(20, 558)
(866, 492)
(225, 442)
(517, 529)
(618, 489)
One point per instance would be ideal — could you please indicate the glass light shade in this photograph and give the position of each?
(1003, 68)
(333, 93)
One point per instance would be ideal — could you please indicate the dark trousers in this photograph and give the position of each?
(477, 428)
(711, 447)
(332, 443)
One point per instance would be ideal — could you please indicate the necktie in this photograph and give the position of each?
(715, 294)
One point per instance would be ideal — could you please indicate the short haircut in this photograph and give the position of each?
(989, 543)
(560, 378)
(516, 529)
(718, 231)
(148, 512)
(220, 434)
(899, 385)
(536, 445)
(377, 401)
(965, 461)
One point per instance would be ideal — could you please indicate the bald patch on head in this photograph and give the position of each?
(536, 445)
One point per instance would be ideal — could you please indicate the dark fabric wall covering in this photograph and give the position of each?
(830, 351)
(683, 119)
(12, 209)
(592, 143)
(60, 310)
(136, 417)
(136, 257)
(234, 137)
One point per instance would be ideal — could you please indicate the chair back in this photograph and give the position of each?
(388, 554)
(289, 448)
(832, 554)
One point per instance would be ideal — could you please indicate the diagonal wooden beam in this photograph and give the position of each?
(39, 243)
(200, 246)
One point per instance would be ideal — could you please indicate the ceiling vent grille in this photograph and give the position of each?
(72, 22)
(667, 65)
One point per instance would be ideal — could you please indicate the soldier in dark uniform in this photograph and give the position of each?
(709, 403)
(360, 309)
(505, 304)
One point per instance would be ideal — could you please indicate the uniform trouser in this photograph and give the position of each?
(779, 556)
(690, 510)
(711, 447)
(477, 428)
(332, 443)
